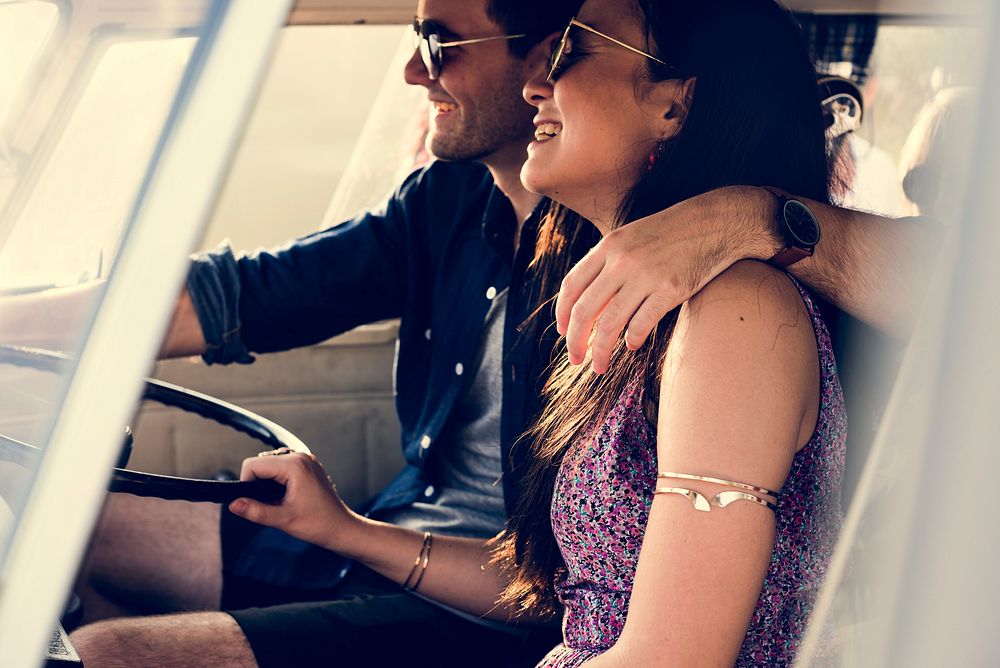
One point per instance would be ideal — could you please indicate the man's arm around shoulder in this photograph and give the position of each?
(872, 267)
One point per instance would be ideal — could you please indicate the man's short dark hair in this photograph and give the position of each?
(524, 17)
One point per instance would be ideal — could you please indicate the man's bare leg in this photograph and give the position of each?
(187, 640)
(152, 556)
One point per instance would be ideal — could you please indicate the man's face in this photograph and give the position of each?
(476, 108)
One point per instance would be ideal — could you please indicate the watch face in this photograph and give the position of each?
(801, 223)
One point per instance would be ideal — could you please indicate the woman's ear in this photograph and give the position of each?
(671, 102)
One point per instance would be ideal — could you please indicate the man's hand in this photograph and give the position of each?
(640, 272)
(311, 509)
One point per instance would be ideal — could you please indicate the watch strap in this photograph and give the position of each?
(791, 253)
(789, 256)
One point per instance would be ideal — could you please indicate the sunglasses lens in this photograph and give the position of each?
(426, 39)
(435, 55)
(556, 60)
(425, 55)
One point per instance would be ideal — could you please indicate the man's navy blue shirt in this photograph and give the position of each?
(429, 257)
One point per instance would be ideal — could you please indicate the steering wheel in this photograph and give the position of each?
(150, 484)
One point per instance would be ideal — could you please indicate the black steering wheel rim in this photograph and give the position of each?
(128, 481)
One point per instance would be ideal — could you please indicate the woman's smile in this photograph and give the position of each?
(547, 130)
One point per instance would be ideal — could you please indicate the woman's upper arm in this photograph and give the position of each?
(739, 396)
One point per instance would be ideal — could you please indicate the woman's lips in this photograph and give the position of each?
(547, 131)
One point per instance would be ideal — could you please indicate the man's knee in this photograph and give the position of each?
(167, 641)
(157, 555)
(131, 524)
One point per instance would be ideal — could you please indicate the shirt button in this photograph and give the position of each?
(491, 293)
(427, 335)
(425, 442)
(459, 369)
(429, 492)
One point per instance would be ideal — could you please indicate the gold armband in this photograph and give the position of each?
(722, 499)
(718, 481)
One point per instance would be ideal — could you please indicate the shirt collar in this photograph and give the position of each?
(499, 223)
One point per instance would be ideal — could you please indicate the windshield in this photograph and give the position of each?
(69, 183)
(116, 123)
(83, 107)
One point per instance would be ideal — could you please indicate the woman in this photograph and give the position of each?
(737, 388)
(736, 406)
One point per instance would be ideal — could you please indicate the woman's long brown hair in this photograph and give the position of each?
(526, 551)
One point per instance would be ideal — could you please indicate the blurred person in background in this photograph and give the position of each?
(933, 176)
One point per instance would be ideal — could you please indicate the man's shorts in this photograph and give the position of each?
(366, 620)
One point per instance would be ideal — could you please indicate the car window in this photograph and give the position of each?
(73, 187)
(334, 103)
(862, 617)
(910, 65)
(25, 30)
(67, 229)
(116, 127)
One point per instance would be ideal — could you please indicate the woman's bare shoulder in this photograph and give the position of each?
(744, 347)
(760, 293)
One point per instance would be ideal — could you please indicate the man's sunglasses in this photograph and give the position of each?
(427, 38)
(558, 62)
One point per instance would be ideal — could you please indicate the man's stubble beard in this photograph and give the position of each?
(499, 120)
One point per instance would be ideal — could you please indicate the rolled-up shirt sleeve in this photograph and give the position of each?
(213, 283)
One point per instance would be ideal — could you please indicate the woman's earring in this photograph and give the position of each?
(654, 155)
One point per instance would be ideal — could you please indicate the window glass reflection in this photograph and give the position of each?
(70, 226)
(25, 28)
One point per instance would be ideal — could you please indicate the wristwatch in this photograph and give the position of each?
(799, 228)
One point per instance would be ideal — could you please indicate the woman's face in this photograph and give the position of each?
(598, 122)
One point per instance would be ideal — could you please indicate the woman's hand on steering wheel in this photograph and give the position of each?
(311, 509)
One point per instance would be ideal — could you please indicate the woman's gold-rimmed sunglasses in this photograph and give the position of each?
(427, 38)
(565, 46)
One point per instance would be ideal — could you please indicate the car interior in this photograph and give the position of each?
(306, 147)
(327, 134)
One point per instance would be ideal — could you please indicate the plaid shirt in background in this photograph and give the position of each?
(837, 39)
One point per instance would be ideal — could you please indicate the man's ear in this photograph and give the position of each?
(671, 102)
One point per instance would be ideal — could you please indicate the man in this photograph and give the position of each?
(444, 256)
(432, 265)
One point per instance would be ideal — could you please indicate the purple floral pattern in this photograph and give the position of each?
(601, 504)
